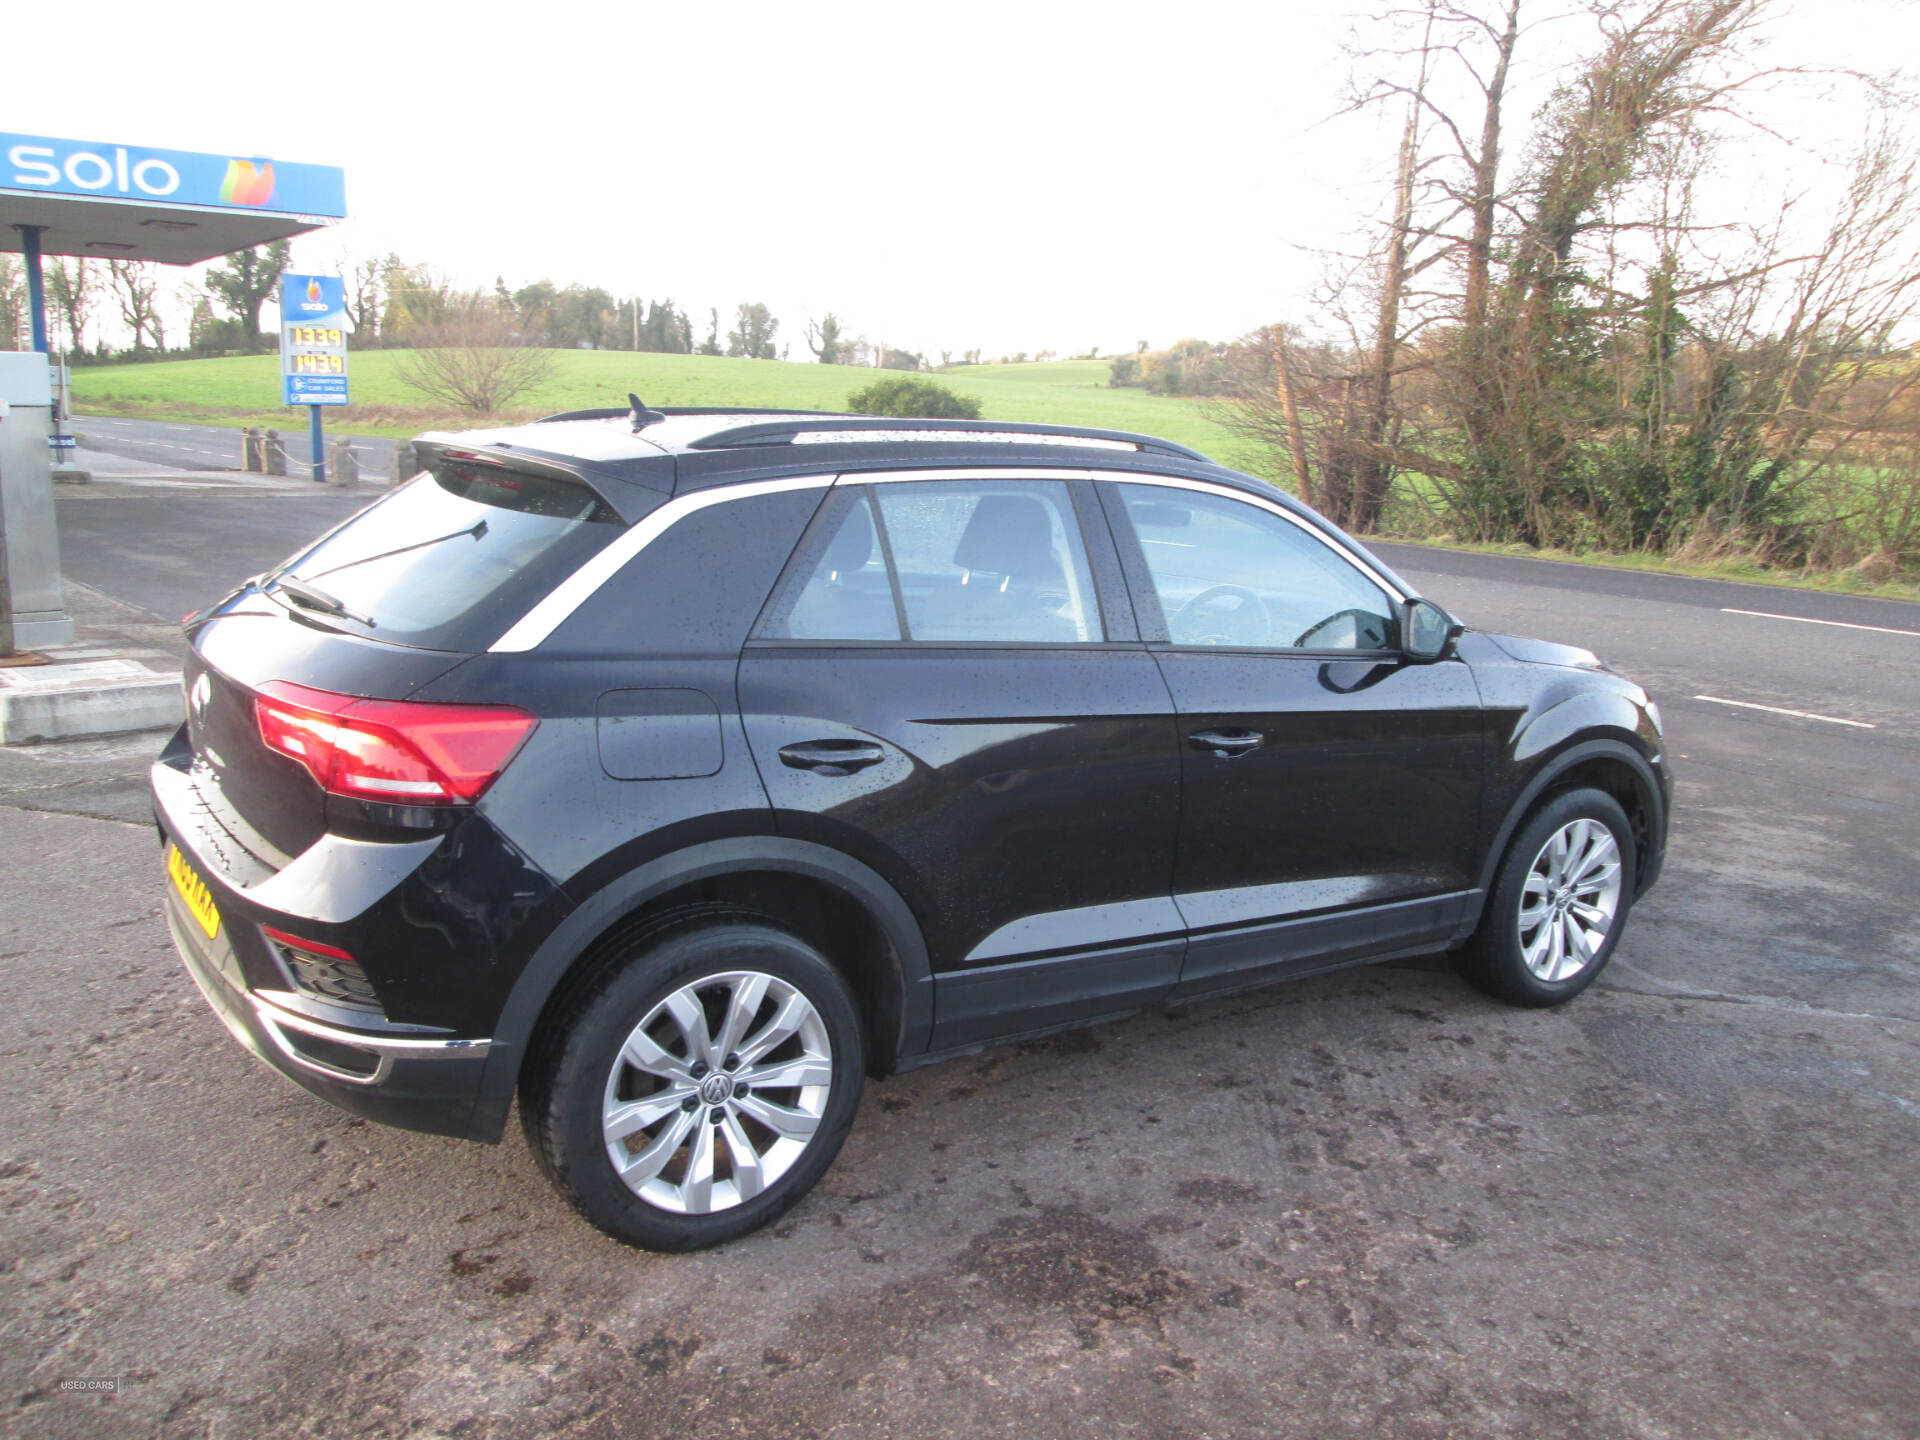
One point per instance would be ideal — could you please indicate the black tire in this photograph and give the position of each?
(1493, 960)
(565, 1083)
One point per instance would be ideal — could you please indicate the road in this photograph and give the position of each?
(171, 553)
(1372, 1205)
(212, 447)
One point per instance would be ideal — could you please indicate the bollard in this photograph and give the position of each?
(342, 468)
(276, 452)
(406, 463)
(253, 451)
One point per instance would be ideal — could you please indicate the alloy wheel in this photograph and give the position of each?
(1570, 900)
(717, 1092)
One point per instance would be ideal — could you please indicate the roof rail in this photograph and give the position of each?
(785, 432)
(616, 412)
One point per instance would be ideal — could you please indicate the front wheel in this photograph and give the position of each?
(700, 1087)
(1559, 902)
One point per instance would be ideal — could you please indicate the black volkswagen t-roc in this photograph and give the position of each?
(675, 771)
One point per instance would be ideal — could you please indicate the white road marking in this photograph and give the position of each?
(1809, 620)
(1796, 714)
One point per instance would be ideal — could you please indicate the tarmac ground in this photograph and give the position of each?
(1373, 1204)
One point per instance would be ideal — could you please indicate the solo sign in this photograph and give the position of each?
(313, 340)
(40, 164)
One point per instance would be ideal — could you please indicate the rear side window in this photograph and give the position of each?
(847, 595)
(990, 560)
(977, 561)
(450, 560)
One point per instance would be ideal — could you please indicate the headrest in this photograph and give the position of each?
(1007, 535)
(853, 546)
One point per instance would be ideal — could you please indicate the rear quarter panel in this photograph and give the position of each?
(673, 619)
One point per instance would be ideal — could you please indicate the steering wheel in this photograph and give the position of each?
(1358, 618)
(1250, 614)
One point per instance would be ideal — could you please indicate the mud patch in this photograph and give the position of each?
(1066, 1042)
(1065, 1258)
(1215, 1191)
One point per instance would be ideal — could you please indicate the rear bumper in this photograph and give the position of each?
(412, 1075)
(416, 1083)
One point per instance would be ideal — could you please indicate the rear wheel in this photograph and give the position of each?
(700, 1086)
(1559, 902)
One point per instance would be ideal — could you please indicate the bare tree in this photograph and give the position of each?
(1338, 411)
(136, 288)
(365, 292)
(73, 286)
(1508, 336)
(1801, 384)
(476, 359)
(13, 303)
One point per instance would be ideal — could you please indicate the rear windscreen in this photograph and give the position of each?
(451, 559)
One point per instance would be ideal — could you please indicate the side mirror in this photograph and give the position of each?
(1426, 632)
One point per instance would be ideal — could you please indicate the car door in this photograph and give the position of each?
(1330, 787)
(947, 685)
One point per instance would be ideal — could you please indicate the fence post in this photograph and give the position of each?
(276, 451)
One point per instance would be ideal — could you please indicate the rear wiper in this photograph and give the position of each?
(314, 598)
(476, 530)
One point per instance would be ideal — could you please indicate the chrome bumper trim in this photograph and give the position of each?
(276, 1021)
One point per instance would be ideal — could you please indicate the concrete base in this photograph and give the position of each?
(75, 697)
(39, 629)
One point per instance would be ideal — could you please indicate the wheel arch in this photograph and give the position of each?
(1614, 766)
(835, 902)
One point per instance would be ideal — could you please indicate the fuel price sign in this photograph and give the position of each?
(313, 340)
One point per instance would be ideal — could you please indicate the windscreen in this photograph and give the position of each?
(451, 559)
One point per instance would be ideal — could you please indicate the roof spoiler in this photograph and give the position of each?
(618, 490)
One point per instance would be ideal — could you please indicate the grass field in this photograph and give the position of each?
(243, 391)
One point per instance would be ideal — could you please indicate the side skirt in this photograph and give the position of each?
(1252, 955)
(994, 1002)
(977, 1007)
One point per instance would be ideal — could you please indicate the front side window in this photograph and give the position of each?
(1232, 574)
(975, 561)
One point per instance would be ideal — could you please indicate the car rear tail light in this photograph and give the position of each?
(401, 751)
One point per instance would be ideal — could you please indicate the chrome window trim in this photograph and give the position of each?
(532, 629)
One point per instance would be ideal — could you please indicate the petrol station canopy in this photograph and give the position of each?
(180, 207)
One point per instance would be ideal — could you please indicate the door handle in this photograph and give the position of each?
(831, 757)
(1226, 743)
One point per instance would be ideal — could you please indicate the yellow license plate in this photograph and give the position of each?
(193, 890)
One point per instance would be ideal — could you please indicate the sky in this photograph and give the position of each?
(1048, 175)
